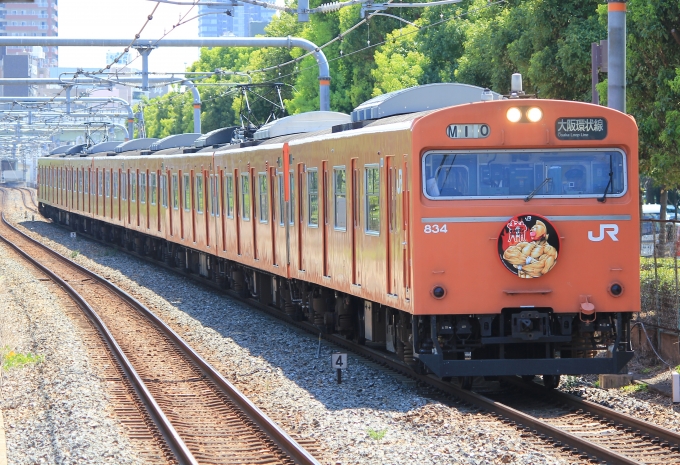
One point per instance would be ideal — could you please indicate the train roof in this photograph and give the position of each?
(302, 123)
(135, 144)
(175, 141)
(420, 98)
(104, 146)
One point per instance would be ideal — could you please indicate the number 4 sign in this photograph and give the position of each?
(339, 361)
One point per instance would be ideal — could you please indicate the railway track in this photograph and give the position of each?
(33, 207)
(585, 430)
(189, 409)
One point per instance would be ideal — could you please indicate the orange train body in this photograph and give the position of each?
(397, 224)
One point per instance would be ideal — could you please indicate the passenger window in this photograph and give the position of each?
(393, 199)
(164, 190)
(152, 188)
(312, 197)
(187, 192)
(264, 201)
(340, 196)
(245, 196)
(80, 182)
(100, 183)
(199, 193)
(282, 200)
(86, 181)
(107, 183)
(123, 186)
(214, 196)
(115, 184)
(142, 187)
(229, 195)
(133, 187)
(372, 199)
(175, 192)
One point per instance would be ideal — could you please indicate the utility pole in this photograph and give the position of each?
(616, 87)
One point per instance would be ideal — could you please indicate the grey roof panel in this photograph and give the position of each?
(104, 146)
(419, 98)
(304, 122)
(216, 137)
(177, 140)
(135, 144)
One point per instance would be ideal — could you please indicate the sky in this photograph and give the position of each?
(122, 19)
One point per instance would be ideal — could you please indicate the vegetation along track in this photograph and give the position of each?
(573, 426)
(201, 416)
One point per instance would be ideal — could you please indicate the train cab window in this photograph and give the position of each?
(115, 184)
(152, 188)
(229, 195)
(372, 199)
(199, 193)
(175, 192)
(164, 190)
(340, 197)
(107, 183)
(264, 199)
(123, 186)
(133, 187)
(574, 173)
(187, 192)
(100, 183)
(245, 197)
(142, 187)
(312, 197)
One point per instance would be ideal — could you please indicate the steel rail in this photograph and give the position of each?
(172, 438)
(287, 444)
(503, 412)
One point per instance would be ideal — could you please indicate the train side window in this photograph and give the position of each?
(187, 192)
(86, 182)
(175, 192)
(142, 187)
(115, 184)
(282, 199)
(164, 190)
(312, 197)
(152, 188)
(214, 195)
(107, 183)
(264, 200)
(229, 195)
(392, 194)
(133, 187)
(199, 193)
(123, 186)
(80, 181)
(372, 198)
(100, 183)
(245, 197)
(340, 197)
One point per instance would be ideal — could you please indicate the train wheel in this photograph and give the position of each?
(551, 381)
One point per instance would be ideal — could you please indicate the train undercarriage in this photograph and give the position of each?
(515, 341)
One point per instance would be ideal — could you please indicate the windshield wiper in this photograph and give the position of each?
(533, 192)
(603, 199)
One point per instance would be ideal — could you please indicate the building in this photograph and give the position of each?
(233, 20)
(39, 18)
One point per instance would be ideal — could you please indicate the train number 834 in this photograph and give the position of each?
(435, 229)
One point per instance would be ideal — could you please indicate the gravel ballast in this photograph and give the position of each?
(55, 411)
(373, 417)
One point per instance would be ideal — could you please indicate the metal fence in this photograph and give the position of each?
(659, 280)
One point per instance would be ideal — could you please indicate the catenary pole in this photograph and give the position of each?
(616, 84)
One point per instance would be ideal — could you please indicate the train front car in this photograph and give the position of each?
(526, 239)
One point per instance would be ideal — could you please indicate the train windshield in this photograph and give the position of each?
(516, 174)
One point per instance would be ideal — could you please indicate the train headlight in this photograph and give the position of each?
(514, 114)
(616, 289)
(534, 114)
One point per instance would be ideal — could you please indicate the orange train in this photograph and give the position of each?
(468, 233)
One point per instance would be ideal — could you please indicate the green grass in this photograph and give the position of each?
(597, 384)
(376, 435)
(13, 359)
(75, 253)
(647, 370)
(632, 388)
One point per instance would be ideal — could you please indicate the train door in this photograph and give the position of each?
(206, 215)
(193, 206)
(324, 223)
(272, 203)
(180, 193)
(393, 236)
(356, 209)
(223, 212)
(406, 229)
(237, 211)
(150, 198)
(301, 216)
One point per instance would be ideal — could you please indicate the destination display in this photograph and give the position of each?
(581, 128)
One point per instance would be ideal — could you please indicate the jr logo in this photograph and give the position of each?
(611, 229)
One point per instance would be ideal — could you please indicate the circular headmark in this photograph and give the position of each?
(528, 246)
